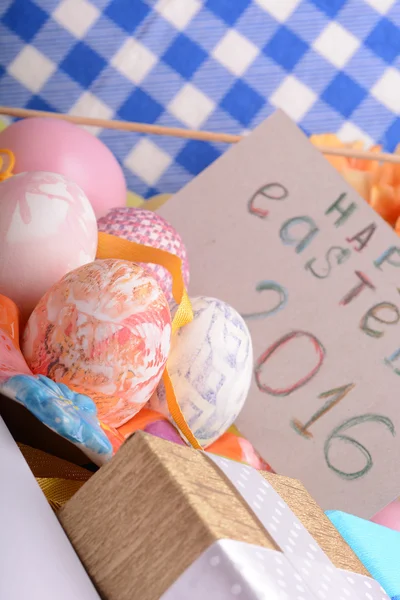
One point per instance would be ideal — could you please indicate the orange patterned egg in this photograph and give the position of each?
(104, 330)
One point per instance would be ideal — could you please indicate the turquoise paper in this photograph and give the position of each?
(376, 546)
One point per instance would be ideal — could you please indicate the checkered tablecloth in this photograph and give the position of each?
(222, 65)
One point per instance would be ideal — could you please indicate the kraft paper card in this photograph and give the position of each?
(272, 229)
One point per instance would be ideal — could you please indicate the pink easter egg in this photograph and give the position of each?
(47, 228)
(43, 144)
(104, 330)
(389, 516)
(148, 228)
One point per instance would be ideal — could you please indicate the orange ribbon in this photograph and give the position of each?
(110, 246)
(6, 164)
(9, 319)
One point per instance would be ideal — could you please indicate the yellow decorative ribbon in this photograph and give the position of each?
(58, 491)
(110, 246)
(58, 479)
(6, 164)
(153, 204)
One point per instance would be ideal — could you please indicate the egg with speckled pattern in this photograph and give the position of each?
(104, 330)
(148, 228)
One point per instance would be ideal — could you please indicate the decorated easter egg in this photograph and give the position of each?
(104, 330)
(44, 144)
(210, 366)
(47, 228)
(148, 228)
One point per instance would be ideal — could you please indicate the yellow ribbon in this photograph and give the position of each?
(153, 204)
(110, 246)
(6, 166)
(58, 479)
(57, 490)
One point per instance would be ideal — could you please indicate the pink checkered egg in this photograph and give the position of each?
(47, 228)
(148, 228)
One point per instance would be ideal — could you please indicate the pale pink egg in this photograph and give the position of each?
(148, 228)
(47, 228)
(389, 516)
(43, 144)
(104, 330)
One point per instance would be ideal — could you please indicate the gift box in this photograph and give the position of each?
(165, 521)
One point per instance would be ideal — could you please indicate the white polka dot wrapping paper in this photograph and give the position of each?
(300, 571)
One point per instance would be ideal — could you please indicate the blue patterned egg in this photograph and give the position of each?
(210, 365)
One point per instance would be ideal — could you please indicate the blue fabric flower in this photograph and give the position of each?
(71, 415)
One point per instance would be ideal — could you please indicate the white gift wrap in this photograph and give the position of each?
(37, 561)
(301, 571)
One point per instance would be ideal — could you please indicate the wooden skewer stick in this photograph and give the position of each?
(191, 134)
(206, 136)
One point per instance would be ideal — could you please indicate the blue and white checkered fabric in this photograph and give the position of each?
(222, 65)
